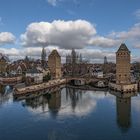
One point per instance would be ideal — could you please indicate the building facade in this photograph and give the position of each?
(34, 76)
(54, 63)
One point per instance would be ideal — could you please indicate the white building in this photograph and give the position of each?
(35, 74)
(98, 74)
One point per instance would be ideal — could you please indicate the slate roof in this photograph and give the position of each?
(33, 70)
(123, 47)
(54, 53)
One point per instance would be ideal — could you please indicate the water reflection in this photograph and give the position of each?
(54, 103)
(123, 110)
(65, 102)
(70, 114)
(123, 106)
(71, 101)
(74, 95)
(5, 95)
(37, 102)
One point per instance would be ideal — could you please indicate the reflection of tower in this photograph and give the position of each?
(123, 111)
(54, 103)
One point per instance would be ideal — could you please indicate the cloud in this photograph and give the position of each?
(137, 13)
(65, 34)
(76, 34)
(6, 38)
(132, 35)
(94, 55)
(71, 12)
(104, 42)
(55, 2)
(0, 19)
(52, 2)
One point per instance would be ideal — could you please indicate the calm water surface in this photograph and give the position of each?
(70, 114)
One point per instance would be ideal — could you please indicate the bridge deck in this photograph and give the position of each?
(49, 86)
(34, 88)
(10, 80)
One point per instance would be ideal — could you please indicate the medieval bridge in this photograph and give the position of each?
(11, 81)
(86, 80)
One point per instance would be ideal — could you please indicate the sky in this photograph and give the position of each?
(95, 28)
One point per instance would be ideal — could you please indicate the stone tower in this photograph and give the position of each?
(123, 65)
(43, 57)
(54, 63)
(3, 63)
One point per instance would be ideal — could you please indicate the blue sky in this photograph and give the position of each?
(106, 16)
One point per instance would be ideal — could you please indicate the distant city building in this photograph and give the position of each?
(34, 76)
(54, 63)
(75, 65)
(105, 60)
(43, 57)
(74, 58)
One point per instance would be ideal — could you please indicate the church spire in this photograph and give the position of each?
(43, 56)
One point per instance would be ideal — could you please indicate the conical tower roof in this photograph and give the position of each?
(123, 47)
(54, 53)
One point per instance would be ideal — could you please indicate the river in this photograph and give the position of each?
(70, 114)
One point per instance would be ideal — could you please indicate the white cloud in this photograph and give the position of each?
(76, 34)
(104, 42)
(132, 36)
(0, 20)
(137, 13)
(71, 12)
(52, 2)
(56, 2)
(94, 55)
(6, 38)
(65, 34)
